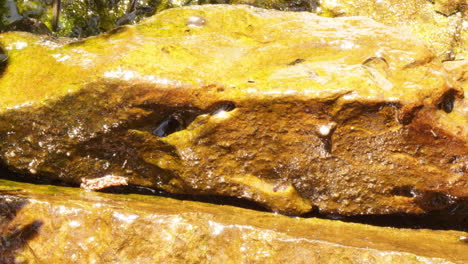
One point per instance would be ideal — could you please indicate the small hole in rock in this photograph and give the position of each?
(167, 127)
(439, 200)
(406, 191)
(430, 201)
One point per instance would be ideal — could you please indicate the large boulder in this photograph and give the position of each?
(290, 110)
(40, 223)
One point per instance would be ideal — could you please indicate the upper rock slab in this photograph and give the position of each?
(291, 110)
(250, 51)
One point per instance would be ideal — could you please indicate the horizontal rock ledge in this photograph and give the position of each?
(68, 225)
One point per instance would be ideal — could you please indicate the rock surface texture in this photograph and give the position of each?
(67, 225)
(290, 110)
(441, 23)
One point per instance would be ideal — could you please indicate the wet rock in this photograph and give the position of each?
(290, 110)
(440, 23)
(450, 7)
(41, 223)
(459, 69)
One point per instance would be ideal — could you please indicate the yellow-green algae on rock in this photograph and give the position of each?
(41, 223)
(441, 24)
(290, 110)
(238, 46)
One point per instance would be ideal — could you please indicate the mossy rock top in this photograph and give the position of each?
(250, 52)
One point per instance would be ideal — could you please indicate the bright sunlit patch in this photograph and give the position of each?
(128, 75)
(217, 228)
(63, 210)
(17, 45)
(221, 115)
(176, 222)
(326, 129)
(344, 44)
(272, 92)
(332, 3)
(290, 92)
(49, 43)
(379, 53)
(19, 105)
(166, 236)
(75, 131)
(60, 57)
(348, 45)
(121, 74)
(74, 223)
(125, 218)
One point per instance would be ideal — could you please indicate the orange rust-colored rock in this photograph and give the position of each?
(290, 110)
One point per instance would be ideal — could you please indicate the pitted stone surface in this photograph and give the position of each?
(290, 110)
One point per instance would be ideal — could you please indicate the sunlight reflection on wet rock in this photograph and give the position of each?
(283, 109)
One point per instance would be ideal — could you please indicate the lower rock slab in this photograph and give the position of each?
(50, 224)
